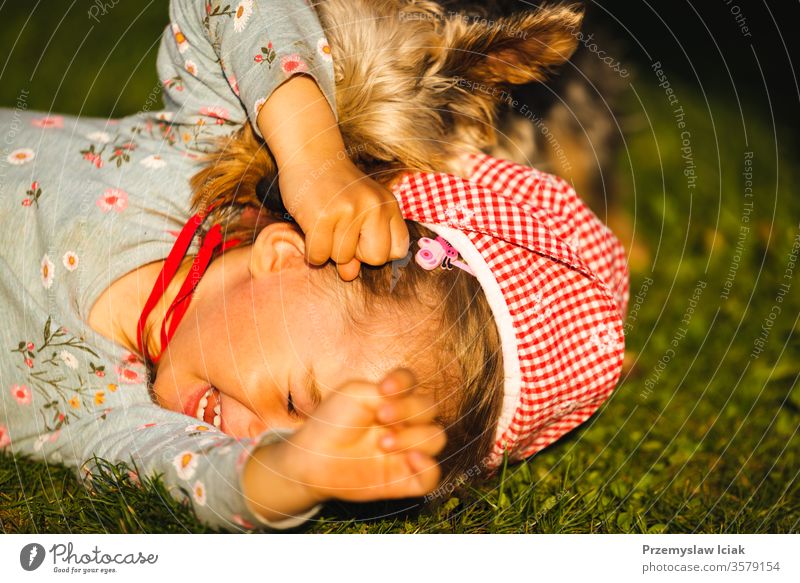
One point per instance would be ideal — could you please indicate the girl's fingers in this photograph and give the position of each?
(375, 241)
(345, 240)
(425, 473)
(397, 382)
(350, 270)
(399, 231)
(428, 439)
(319, 242)
(410, 409)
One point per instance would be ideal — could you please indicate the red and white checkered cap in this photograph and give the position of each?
(556, 279)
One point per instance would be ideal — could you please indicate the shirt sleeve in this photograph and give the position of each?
(196, 463)
(219, 61)
(61, 403)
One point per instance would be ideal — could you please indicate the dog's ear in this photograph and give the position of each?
(515, 49)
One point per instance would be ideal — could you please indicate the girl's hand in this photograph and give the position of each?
(370, 442)
(346, 215)
(363, 442)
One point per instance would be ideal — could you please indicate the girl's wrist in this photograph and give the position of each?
(273, 481)
(298, 124)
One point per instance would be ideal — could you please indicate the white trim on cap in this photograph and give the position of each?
(505, 325)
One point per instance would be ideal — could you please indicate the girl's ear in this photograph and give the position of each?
(277, 247)
(516, 49)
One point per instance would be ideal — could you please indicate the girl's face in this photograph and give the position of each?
(265, 341)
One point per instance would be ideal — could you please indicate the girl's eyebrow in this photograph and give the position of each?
(312, 389)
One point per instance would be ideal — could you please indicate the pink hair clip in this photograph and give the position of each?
(438, 252)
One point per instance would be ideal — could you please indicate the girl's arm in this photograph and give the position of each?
(346, 215)
(220, 61)
(270, 65)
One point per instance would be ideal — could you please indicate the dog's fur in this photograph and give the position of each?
(415, 87)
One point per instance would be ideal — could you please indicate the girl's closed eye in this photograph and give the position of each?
(290, 406)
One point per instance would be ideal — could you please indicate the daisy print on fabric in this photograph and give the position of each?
(70, 261)
(191, 67)
(69, 359)
(243, 13)
(99, 137)
(48, 121)
(113, 199)
(5, 437)
(185, 464)
(199, 493)
(153, 161)
(129, 376)
(324, 49)
(22, 394)
(131, 370)
(294, 63)
(180, 38)
(47, 272)
(21, 156)
(196, 428)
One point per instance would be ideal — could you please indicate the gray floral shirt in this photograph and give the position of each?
(84, 201)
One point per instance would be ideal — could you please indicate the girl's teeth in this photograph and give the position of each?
(201, 407)
(217, 409)
(217, 421)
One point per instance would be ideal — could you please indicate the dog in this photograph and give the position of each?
(416, 87)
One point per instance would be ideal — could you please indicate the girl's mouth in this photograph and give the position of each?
(209, 409)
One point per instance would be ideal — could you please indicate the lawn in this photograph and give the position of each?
(701, 433)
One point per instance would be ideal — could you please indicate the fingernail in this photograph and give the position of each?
(387, 384)
(387, 441)
(385, 413)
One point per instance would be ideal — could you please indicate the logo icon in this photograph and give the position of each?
(31, 556)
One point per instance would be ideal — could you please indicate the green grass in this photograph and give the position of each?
(711, 446)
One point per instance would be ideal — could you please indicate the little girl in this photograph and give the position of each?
(273, 392)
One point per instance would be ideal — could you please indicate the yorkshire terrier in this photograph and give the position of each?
(417, 86)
